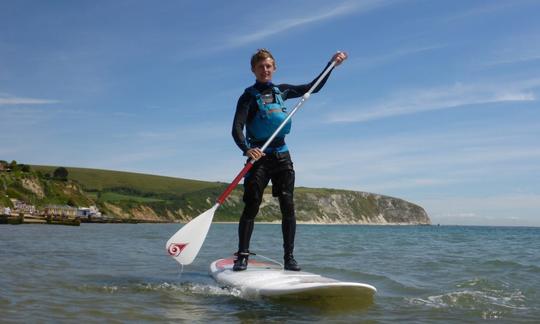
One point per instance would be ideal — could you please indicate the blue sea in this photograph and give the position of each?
(121, 273)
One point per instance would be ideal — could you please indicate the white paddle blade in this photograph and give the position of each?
(185, 244)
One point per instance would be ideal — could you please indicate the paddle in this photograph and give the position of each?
(185, 244)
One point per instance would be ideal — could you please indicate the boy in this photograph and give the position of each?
(260, 109)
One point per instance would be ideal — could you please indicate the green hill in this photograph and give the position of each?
(137, 196)
(36, 189)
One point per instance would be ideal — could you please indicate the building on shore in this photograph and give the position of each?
(24, 208)
(89, 213)
(52, 211)
(60, 211)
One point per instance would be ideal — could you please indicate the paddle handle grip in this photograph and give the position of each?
(235, 182)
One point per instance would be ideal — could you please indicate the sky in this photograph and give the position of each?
(438, 103)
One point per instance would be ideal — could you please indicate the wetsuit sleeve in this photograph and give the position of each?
(240, 118)
(295, 91)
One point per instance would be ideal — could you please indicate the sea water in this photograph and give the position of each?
(120, 273)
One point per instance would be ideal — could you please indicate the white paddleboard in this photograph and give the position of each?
(265, 279)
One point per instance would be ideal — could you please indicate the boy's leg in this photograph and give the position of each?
(283, 188)
(254, 184)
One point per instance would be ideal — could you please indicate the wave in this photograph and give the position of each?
(472, 299)
(184, 288)
(191, 288)
(492, 299)
(512, 265)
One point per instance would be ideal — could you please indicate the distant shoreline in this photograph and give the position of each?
(317, 223)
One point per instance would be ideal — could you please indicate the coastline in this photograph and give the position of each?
(41, 219)
(333, 223)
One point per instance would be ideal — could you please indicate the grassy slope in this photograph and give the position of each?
(98, 180)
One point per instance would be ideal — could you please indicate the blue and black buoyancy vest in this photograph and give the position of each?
(270, 115)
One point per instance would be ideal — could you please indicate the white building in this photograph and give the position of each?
(88, 212)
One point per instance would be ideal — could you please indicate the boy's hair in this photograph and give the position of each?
(261, 54)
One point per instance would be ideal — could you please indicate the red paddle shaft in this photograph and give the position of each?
(235, 182)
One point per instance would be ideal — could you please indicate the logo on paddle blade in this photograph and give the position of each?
(176, 248)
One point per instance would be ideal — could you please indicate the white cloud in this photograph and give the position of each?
(518, 49)
(421, 100)
(12, 117)
(517, 58)
(461, 155)
(287, 23)
(9, 100)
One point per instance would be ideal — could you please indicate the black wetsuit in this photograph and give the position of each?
(275, 166)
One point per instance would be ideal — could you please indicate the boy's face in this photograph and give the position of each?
(263, 70)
